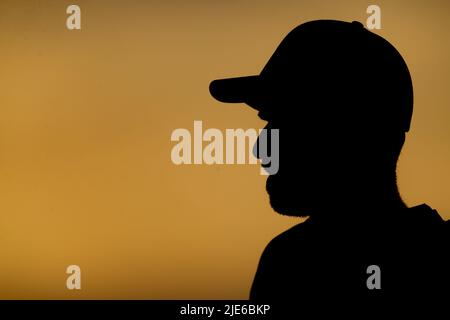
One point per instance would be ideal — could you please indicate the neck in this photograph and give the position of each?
(376, 199)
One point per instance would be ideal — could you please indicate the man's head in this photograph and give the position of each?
(342, 99)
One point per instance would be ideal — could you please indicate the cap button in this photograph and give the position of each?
(358, 24)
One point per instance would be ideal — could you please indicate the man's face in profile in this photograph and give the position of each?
(326, 159)
(317, 156)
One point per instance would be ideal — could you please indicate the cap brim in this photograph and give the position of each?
(235, 90)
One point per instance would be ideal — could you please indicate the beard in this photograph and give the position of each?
(291, 199)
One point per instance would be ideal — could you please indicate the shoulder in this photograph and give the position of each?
(276, 262)
(447, 227)
(288, 240)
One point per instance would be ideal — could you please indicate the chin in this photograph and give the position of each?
(287, 200)
(285, 208)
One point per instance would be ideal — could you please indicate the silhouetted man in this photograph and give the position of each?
(342, 99)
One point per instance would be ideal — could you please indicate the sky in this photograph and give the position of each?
(86, 118)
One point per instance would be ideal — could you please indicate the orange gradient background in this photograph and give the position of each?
(85, 122)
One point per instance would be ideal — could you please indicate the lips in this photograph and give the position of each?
(266, 168)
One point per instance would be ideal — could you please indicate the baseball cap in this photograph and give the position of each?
(332, 65)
